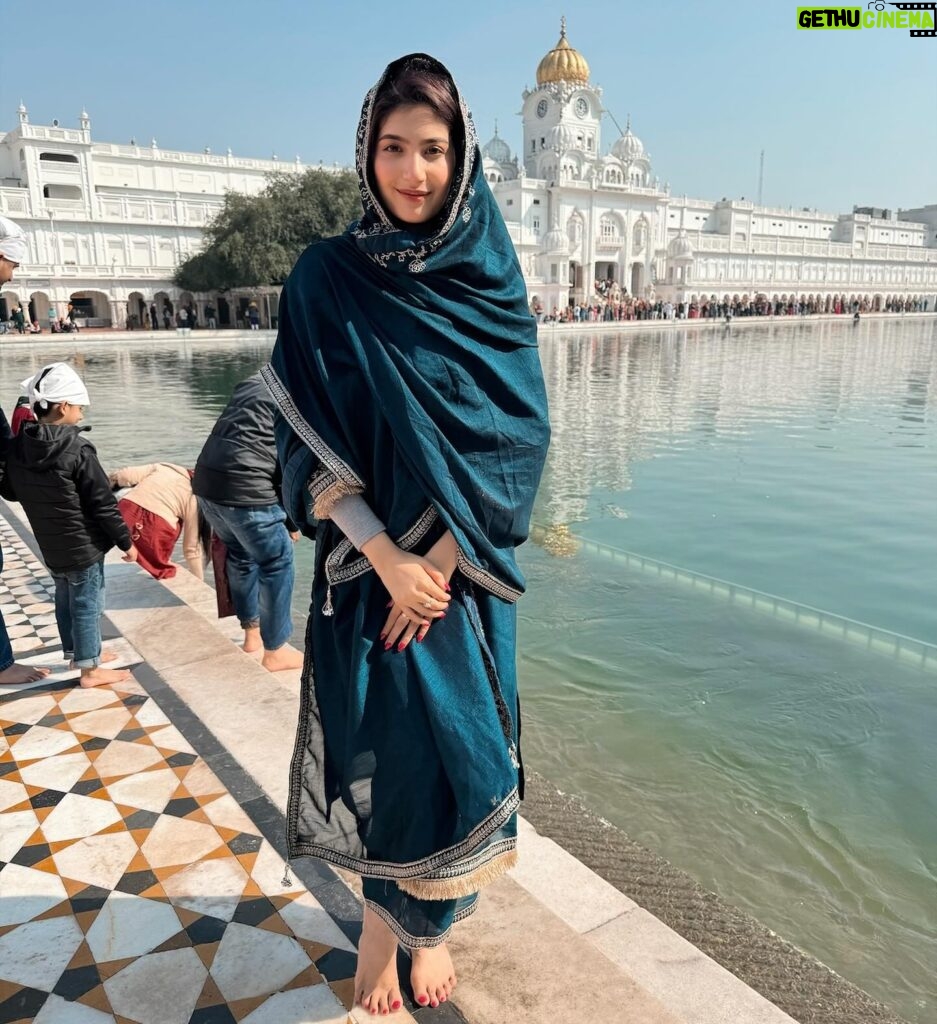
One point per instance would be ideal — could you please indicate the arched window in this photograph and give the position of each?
(609, 228)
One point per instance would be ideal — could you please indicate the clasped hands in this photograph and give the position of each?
(418, 586)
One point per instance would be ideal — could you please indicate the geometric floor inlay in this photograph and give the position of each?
(133, 887)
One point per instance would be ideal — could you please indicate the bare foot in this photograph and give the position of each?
(376, 986)
(432, 975)
(281, 659)
(17, 673)
(106, 656)
(103, 676)
(252, 641)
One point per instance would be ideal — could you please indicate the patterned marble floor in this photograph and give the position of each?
(133, 887)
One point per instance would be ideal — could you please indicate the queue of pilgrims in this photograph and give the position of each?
(611, 304)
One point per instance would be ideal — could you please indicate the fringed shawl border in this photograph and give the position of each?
(305, 433)
(417, 868)
(324, 503)
(470, 865)
(462, 885)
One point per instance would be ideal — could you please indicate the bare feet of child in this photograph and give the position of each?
(376, 986)
(17, 673)
(252, 641)
(281, 659)
(432, 975)
(103, 676)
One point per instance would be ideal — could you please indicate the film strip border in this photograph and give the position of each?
(932, 7)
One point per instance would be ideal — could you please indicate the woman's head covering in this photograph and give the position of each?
(414, 241)
(12, 241)
(56, 383)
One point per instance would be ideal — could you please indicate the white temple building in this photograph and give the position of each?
(579, 212)
(109, 223)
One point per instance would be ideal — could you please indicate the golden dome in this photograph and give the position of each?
(562, 63)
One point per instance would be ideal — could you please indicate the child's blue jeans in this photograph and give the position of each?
(79, 605)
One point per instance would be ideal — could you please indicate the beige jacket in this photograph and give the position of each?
(166, 490)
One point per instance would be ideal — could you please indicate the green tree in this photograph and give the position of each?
(255, 240)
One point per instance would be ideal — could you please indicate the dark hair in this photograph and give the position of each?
(420, 82)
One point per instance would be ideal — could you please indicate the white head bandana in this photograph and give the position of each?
(12, 241)
(55, 383)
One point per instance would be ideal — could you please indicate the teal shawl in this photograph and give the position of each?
(406, 370)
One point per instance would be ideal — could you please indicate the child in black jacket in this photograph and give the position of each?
(53, 471)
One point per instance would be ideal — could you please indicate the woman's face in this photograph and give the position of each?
(413, 163)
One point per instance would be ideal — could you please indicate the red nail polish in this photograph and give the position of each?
(448, 588)
(422, 1000)
(419, 639)
(442, 615)
(395, 1005)
(390, 604)
(383, 636)
(434, 1003)
(387, 647)
(401, 645)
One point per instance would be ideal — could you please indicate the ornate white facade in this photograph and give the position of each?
(109, 223)
(578, 214)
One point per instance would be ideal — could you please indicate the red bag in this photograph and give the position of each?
(219, 564)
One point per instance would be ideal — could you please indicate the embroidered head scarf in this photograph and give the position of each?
(407, 369)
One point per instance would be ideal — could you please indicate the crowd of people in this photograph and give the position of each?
(19, 323)
(609, 305)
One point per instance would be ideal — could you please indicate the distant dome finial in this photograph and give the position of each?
(628, 123)
(563, 26)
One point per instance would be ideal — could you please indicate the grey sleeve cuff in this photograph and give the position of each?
(353, 516)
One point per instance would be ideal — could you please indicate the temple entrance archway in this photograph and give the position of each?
(92, 306)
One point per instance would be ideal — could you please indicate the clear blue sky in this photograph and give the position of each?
(844, 117)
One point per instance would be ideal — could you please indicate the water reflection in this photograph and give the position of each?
(759, 454)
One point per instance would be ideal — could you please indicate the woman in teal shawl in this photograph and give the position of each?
(408, 380)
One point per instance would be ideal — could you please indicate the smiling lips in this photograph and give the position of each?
(414, 197)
